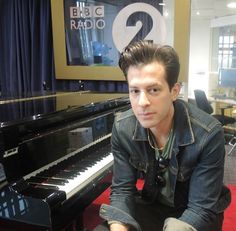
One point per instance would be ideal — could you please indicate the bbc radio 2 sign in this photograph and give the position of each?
(93, 17)
(88, 17)
(123, 34)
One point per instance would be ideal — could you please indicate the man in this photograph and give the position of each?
(178, 148)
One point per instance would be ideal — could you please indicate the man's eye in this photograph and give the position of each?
(154, 90)
(134, 91)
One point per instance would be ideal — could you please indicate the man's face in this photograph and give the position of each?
(150, 96)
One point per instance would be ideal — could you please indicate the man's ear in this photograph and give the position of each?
(175, 91)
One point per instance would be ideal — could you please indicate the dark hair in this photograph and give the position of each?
(143, 52)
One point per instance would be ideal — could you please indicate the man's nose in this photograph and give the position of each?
(143, 99)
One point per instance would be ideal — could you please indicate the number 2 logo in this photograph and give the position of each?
(123, 32)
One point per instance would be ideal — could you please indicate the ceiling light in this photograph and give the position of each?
(162, 4)
(231, 5)
(197, 13)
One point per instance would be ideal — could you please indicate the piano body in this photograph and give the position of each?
(54, 161)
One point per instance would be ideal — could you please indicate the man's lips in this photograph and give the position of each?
(145, 114)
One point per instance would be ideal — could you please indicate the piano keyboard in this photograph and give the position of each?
(84, 178)
(73, 174)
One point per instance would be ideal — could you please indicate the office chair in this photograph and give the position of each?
(203, 103)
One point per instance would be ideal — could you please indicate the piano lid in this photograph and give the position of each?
(24, 95)
(32, 108)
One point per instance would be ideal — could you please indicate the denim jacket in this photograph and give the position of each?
(196, 166)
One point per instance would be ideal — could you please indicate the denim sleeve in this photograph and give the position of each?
(124, 180)
(110, 213)
(206, 182)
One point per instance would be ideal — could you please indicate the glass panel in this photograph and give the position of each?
(89, 29)
(87, 42)
(231, 39)
(221, 39)
(220, 59)
(226, 39)
(225, 60)
(230, 61)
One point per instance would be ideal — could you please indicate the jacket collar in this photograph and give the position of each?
(182, 126)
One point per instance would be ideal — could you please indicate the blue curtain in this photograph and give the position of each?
(26, 60)
(26, 57)
(26, 53)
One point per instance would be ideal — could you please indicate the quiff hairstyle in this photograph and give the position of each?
(142, 53)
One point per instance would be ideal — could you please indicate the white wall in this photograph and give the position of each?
(199, 55)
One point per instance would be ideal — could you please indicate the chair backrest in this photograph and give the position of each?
(202, 102)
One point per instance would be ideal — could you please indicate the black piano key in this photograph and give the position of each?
(87, 163)
(73, 166)
(77, 169)
(36, 180)
(54, 170)
(58, 180)
(71, 173)
(65, 175)
(48, 172)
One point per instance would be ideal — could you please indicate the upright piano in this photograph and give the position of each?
(55, 157)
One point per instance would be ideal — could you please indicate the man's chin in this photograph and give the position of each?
(146, 124)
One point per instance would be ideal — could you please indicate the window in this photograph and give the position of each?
(227, 51)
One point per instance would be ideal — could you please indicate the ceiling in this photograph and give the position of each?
(209, 9)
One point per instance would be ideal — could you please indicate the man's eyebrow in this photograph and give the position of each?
(153, 85)
(147, 86)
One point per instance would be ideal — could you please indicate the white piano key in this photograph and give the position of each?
(85, 177)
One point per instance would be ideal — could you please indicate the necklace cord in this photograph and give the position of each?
(153, 143)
